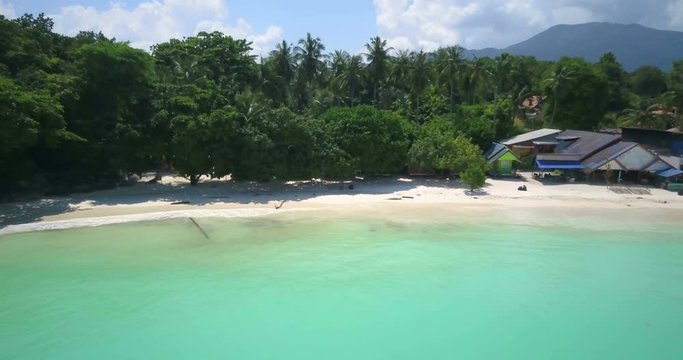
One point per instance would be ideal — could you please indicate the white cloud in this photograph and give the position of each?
(424, 23)
(676, 11)
(155, 21)
(571, 15)
(400, 43)
(7, 10)
(261, 43)
(499, 23)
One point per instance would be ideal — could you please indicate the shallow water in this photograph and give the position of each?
(291, 287)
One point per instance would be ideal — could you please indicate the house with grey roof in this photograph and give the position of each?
(591, 152)
(524, 144)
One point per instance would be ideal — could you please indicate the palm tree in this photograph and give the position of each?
(419, 75)
(648, 115)
(475, 77)
(337, 66)
(309, 54)
(351, 77)
(338, 61)
(377, 56)
(555, 83)
(400, 70)
(283, 61)
(500, 73)
(282, 66)
(311, 61)
(517, 98)
(449, 66)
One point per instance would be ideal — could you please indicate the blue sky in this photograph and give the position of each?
(347, 24)
(294, 17)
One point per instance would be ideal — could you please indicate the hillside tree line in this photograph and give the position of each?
(87, 111)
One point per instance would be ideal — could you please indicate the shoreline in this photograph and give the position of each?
(377, 197)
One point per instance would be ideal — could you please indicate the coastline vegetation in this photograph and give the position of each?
(87, 111)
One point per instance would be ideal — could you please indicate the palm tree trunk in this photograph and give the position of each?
(495, 105)
(552, 117)
(451, 94)
(374, 94)
(351, 92)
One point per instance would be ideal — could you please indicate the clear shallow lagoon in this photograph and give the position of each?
(287, 287)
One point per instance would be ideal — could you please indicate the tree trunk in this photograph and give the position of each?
(495, 107)
(552, 117)
(374, 94)
(351, 95)
(194, 179)
(451, 94)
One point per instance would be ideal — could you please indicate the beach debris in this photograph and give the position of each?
(407, 197)
(394, 198)
(629, 190)
(522, 188)
(155, 179)
(199, 227)
(182, 202)
(277, 207)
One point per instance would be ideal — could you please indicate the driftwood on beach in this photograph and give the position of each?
(199, 227)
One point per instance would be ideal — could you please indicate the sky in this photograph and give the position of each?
(346, 24)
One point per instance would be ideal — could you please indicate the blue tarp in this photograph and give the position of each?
(558, 164)
(670, 173)
(677, 147)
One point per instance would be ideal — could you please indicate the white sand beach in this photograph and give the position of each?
(220, 198)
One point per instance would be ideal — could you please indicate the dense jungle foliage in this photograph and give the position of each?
(87, 111)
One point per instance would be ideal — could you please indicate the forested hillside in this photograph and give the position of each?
(87, 111)
(633, 45)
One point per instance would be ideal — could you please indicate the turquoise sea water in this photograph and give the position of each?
(291, 287)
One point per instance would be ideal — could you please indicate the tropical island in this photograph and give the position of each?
(88, 113)
(198, 200)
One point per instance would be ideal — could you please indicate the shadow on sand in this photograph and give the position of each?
(215, 191)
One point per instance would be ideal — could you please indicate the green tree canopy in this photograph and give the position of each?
(376, 140)
(578, 95)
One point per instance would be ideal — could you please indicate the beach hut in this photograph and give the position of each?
(524, 145)
(501, 159)
(671, 179)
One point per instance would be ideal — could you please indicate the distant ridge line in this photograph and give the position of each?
(634, 45)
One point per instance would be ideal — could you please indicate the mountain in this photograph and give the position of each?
(633, 45)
